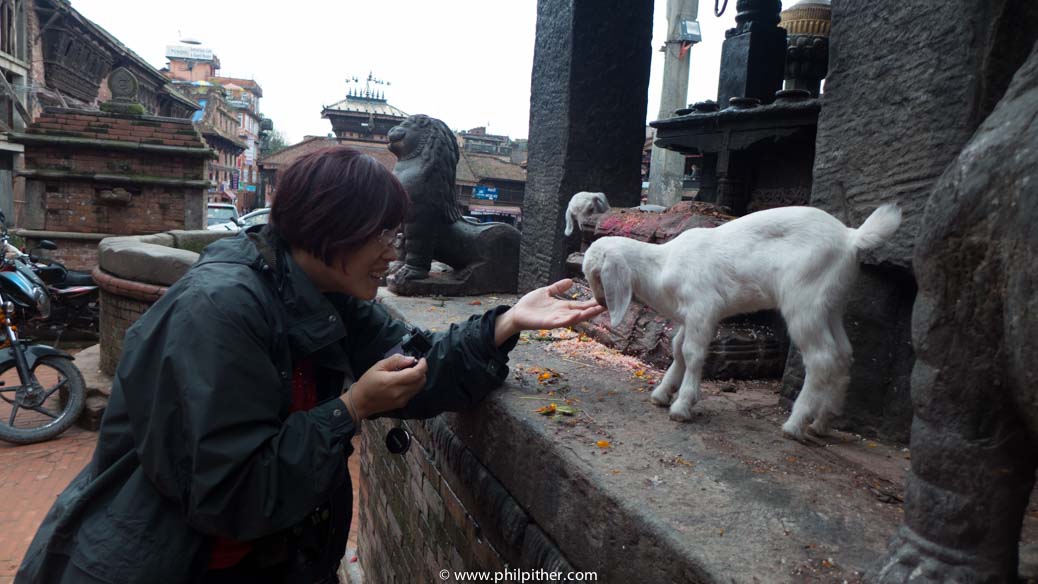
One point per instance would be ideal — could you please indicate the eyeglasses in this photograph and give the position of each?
(391, 237)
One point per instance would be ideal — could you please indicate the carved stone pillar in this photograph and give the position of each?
(587, 119)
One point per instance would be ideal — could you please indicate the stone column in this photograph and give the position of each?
(589, 94)
(668, 167)
(898, 109)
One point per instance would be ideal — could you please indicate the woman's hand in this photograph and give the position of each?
(388, 385)
(540, 309)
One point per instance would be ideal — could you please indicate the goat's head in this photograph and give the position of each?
(606, 269)
(581, 206)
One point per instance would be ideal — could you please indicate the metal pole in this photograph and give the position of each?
(667, 168)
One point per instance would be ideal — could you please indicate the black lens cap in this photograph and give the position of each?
(398, 440)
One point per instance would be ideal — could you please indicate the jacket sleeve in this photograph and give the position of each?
(464, 363)
(205, 399)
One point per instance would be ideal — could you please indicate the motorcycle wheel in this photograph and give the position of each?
(28, 419)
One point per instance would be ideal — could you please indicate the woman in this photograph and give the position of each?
(222, 455)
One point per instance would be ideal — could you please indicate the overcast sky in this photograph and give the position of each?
(467, 62)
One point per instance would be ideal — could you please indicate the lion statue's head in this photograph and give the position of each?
(427, 161)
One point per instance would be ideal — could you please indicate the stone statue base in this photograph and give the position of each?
(483, 257)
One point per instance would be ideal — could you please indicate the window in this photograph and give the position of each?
(10, 31)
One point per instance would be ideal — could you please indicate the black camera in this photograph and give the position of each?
(416, 343)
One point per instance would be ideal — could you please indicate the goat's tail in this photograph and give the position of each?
(880, 225)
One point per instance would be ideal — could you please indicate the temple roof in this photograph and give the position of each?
(364, 105)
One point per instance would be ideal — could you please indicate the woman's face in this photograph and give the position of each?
(357, 272)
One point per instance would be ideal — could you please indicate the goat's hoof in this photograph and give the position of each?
(662, 399)
(681, 414)
(804, 438)
(820, 430)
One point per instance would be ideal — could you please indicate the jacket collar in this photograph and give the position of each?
(312, 321)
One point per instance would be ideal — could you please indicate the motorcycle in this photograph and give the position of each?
(74, 297)
(42, 390)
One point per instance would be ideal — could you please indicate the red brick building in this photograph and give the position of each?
(230, 121)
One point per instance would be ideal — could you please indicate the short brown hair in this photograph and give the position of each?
(336, 199)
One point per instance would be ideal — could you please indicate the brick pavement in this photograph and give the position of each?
(32, 476)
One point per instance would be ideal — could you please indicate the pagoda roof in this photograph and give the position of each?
(355, 104)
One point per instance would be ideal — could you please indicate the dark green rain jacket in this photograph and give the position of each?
(197, 440)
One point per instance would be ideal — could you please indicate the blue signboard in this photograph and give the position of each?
(485, 193)
(250, 188)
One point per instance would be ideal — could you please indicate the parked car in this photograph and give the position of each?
(257, 217)
(219, 214)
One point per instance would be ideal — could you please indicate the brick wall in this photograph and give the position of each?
(77, 208)
(114, 174)
(437, 507)
(117, 314)
(76, 254)
(122, 303)
(105, 126)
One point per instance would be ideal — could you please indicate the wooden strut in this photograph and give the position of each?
(6, 87)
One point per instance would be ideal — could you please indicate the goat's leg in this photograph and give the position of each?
(694, 345)
(664, 392)
(821, 362)
(839, 379)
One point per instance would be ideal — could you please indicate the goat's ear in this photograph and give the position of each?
(601, 204)
(569, 222)
(616, 285)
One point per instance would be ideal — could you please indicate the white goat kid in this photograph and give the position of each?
(800, 260)
(582, 206)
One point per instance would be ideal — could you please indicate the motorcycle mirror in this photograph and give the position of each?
(47, 245)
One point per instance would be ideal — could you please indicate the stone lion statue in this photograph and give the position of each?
(483, 257)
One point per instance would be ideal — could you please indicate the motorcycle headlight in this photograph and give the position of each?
(42, 301)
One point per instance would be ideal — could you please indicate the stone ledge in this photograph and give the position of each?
(106, 144)
(724, 498)
(153, 259)
(132, 179)
(37, 234)
(127, 288)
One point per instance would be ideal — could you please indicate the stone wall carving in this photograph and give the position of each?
(974, 384)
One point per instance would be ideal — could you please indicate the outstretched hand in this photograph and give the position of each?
(540, 309)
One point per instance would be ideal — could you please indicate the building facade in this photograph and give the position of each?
(243, 95)
(14, 77)
(52, 56)
(230, 121)
(491, 188)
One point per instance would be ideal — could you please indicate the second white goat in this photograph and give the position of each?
(800, 260)
(581, 206)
